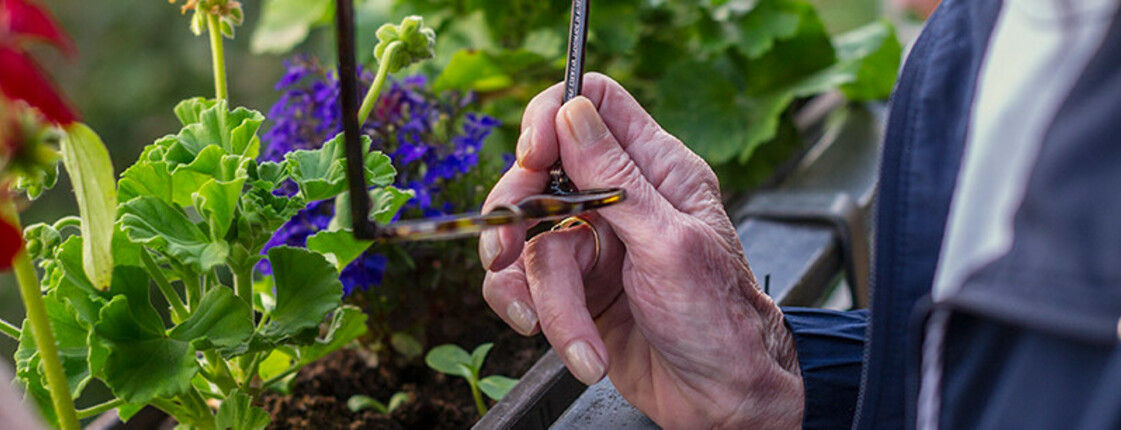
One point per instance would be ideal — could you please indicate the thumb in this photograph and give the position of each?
(593, 158)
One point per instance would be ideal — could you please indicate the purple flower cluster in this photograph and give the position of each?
(432, 141)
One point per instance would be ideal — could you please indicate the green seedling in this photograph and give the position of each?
(452, 360)
(359, 402)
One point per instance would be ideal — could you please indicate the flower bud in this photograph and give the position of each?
(417, 42)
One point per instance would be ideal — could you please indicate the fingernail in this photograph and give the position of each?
(522, 317)
(489, 248)
(586, 366)
(525, 145)
(584, 122)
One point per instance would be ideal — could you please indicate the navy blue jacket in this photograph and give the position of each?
(1033, 337)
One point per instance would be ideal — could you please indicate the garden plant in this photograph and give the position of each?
(233, 218)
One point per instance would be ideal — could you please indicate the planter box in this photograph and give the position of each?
(797, 240)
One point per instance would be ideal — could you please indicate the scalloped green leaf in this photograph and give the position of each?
(70, 336)
(216, 202)
(347, 324)
(238, 413)
(189, 110)
(143, 363)
(234, 131)
(222, 320)
(307, 289)
(146, 178)
(151, 222)
(321, 173)
(340, 244)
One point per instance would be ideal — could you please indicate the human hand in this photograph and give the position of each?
(670, 311)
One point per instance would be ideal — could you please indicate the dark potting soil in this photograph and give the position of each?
(436, 401)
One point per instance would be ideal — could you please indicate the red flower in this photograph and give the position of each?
(10, 243)
(20, 78)
(23, 22)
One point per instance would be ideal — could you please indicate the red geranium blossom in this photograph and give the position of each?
(23, 22)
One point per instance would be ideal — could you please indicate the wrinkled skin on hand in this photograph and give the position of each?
(671, 311)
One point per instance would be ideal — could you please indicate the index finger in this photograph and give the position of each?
(500, 247)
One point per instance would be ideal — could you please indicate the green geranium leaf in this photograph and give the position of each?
(216, 202)
(379, 168)
(266, 174)
(222, 320)
(496, 386)
(188, 111)
(91, 173)
(340, 244)
(151, 222)
(385, 202)
(276, 363)
(347, 324)
(450, 359)
(30, 376)
(142, 363)
(70, 285)
(212, 163)
(234, 131)
(286, 23)
(307, 289)
(146, 178)
(238, 413)
(70, 336)
(269, 211)
(126, 411)
(321, 173)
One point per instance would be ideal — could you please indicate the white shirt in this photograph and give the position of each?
(1037, 51)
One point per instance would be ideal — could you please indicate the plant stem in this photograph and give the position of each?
(178, 311)
(379, 82)
(218, 57)
(193, 288)
(40, 327)
(99, 409)
(223, 378)
(9, 329)
(252, 370)
(480, 404)
(173, 409)
(280, 377)
(243, 287)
